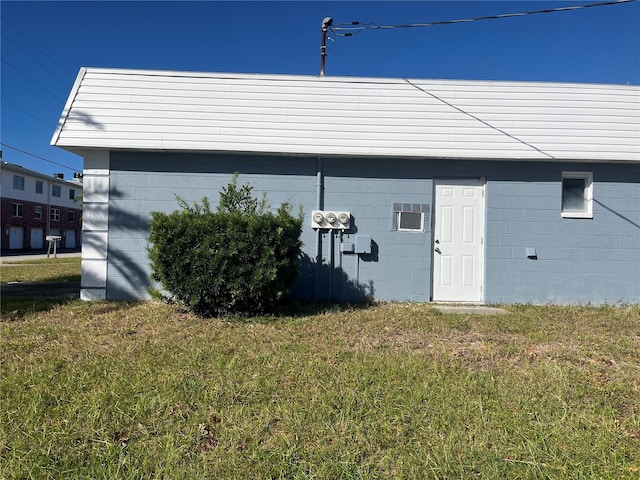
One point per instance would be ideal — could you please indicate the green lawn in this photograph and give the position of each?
(142, 390)
(64, 269)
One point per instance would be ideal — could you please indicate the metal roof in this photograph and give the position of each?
(349, 116)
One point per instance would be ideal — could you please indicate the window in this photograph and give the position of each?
(16, 210)
(18, 182)
(39, 187)
(56, 190)
(410, 217)
(577, 195)
(37, 213)
(71, 216)
(72, 194)
(55, 214)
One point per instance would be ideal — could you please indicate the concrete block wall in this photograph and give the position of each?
(593, 260)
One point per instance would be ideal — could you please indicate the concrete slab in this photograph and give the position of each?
(470, 309)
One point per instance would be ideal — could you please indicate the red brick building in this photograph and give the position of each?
(34, 205)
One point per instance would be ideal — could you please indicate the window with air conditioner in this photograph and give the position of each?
(410, 217)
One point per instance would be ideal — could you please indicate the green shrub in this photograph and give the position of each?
(238, 260)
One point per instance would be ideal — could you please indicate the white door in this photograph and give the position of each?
(16, 238)
(458, 236)
(37, 236)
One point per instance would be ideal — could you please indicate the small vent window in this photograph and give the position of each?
(577, 196)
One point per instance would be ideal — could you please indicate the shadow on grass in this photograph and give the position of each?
(14, 309)
(65, 278)
(299, 309)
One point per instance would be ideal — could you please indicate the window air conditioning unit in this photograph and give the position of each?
(333, 220)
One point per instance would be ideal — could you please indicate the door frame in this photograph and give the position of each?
(481, 182)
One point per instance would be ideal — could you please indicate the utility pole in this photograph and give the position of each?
(326, 23)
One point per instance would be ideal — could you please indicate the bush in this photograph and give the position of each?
(238, 260)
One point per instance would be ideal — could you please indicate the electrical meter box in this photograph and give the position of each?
(363, 244)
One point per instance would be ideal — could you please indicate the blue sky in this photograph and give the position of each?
(45, 43)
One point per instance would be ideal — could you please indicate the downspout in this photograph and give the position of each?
(319, 189)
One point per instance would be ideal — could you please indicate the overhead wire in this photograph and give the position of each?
(4, 99)
(51, 59)
(352, 28)
(33, 81)
(22, 47)
(38, 157)
(64, 82)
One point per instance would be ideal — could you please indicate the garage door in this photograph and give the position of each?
(16, 238)
(70, 238)
(37, 236)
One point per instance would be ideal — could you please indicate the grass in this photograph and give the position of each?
(143, 390)
(49, 270)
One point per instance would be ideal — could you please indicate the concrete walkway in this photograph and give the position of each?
(35, 256)
(469, 309)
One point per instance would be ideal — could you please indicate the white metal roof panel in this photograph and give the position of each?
(304, 115)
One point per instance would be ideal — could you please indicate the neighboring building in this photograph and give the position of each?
(460, 191)
(35, 205)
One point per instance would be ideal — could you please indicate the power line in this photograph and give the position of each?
(38, 48)
(64, 82)
(33, 81)
(38, 157)
(352, 28)
(25, 112)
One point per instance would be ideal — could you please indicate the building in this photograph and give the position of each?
(35, 205)
(454, 191)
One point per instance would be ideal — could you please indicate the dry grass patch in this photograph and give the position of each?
(141, 390)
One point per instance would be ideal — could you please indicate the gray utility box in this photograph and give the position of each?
(363, 244)
(347, 247)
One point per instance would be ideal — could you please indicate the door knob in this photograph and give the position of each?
(437, 250)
